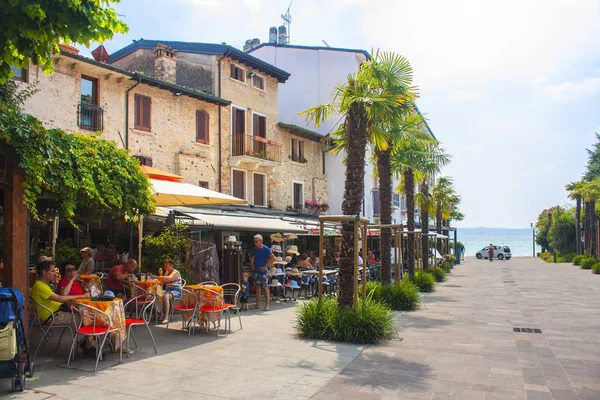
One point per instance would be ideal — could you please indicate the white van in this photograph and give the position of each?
(500, 252)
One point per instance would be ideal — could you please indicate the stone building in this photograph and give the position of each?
(206, 112)
(168, 126)
(259, 159)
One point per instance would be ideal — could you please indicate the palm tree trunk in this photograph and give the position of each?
(587, 226)
(385, 207)
(409, 187)
(356, 136)
(424, 188)
(577, 225)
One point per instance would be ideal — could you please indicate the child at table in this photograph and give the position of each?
(245, 291)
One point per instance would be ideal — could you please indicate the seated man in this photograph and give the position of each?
(42, 294)
(118, 274)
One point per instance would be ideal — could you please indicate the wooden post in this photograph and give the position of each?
(16, 228)
(397, 242)
(355, 263)
(320, 259)
(455, 247)
(364, 257)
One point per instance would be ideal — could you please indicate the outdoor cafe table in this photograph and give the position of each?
(206, 299)
(152, 287)
(114, 309)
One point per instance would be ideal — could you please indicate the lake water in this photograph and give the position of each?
(475, 239)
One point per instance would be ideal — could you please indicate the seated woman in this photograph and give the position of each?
(172, 281)
(69, 285)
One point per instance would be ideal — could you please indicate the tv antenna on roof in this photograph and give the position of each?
(287, 20)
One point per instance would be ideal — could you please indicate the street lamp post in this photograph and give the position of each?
(532, 239)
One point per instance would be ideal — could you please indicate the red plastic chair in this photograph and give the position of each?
(94, 330)
(146, 315)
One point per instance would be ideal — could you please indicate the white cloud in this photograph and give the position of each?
(570, 91)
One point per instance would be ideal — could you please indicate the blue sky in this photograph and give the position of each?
(511, 88)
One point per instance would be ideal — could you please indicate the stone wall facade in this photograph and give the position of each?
(171, 143)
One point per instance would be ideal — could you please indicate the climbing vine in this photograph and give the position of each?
(73, 174)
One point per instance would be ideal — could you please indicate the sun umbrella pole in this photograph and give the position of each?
(54, 236)
(140, 235)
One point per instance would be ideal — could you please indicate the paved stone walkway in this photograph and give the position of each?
(459, 345)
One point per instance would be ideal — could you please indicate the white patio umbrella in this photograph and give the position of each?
(169, 191)
(170, 194)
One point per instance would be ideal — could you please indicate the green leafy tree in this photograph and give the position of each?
(31, 31)
(73, 174)
(364, 100)
(173, 243)
(593, 166)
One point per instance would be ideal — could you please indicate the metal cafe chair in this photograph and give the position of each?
(145, 320)
(231, 295)
(189, 303)
(94, 329)
(46, 326)
(217, 305)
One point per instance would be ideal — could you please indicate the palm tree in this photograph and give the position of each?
(365, 101)
(425, 202)
(575, 190)
(417, 155)
(443, 189)
(399, 77)
(590, 194)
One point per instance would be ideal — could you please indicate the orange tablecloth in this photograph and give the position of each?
(116, 312)
(206, 299)
(150, 287)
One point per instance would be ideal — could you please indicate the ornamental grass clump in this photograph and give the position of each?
(438, 273)
(578, 259)
(588, 262)
(369, 322)
(403, 297)
(596, 268)
(423, 280)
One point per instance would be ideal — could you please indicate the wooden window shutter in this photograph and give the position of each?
(232, 74)
(301, 150)
(259, 190)
(146, 112)
(255, 125)
(239, 184)
(263, 126)
(136, 111)
(241, 122)
(294, 152)
(202, 120)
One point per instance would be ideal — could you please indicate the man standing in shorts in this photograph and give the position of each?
(261, 261)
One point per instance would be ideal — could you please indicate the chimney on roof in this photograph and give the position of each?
(251, 43)
(68, 48)
(100, 54)
(273, 35)
(165, 63)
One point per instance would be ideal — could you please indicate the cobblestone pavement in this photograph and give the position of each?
(462, 345)
(459, 345)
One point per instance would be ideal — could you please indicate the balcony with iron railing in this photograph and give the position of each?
(255, 151)
(90, 116)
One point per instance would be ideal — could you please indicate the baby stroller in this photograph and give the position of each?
(14, 355)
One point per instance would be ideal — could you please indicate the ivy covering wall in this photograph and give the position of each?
(71, 174)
